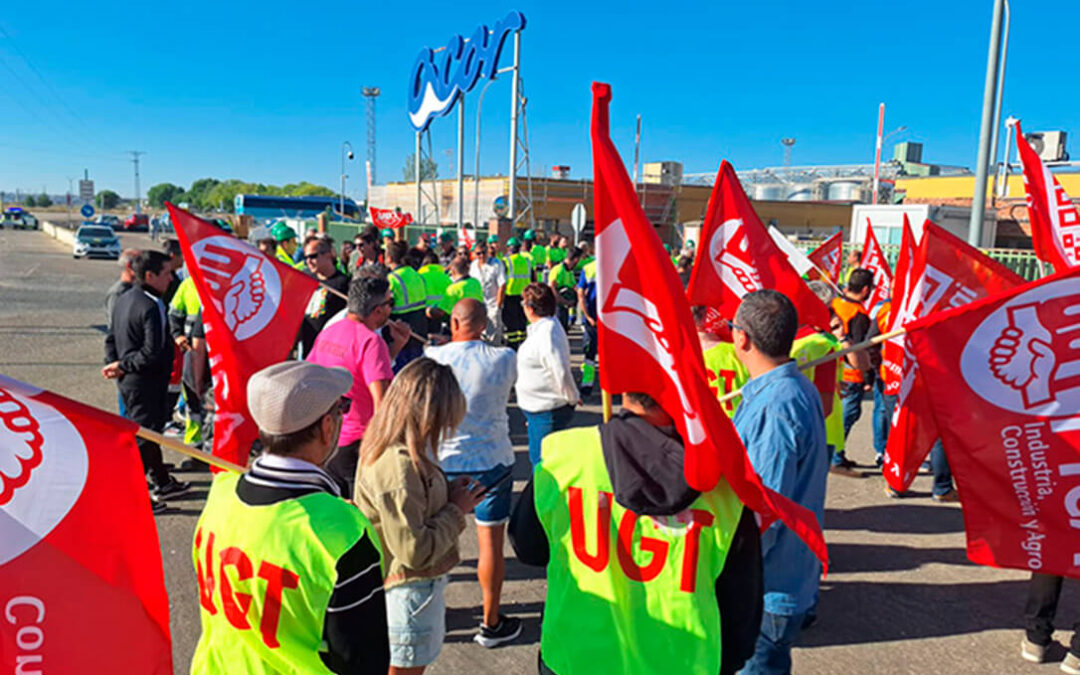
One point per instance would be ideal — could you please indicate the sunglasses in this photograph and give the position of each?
(732, 326)
(344, 404)
(389, 303)
(312, 256)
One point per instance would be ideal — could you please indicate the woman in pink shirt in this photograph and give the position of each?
(356, 344)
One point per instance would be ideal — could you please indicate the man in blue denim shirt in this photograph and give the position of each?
(782, 425)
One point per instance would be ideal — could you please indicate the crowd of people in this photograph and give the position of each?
(391, 427)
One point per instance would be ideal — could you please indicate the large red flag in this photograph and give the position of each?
(736, 256)
(947, 272)
(1006, 397)
(80, 564)
(1055, 225)
(873, 259)
(252, 307)
(892, 352)
(645, 320)
(829, 257)
(391, 218)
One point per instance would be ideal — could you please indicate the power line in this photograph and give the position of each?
(33, 92)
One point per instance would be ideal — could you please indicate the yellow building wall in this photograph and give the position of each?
(963, 187)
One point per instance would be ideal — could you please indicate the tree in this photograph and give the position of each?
(199, 191)
(29, 201)
(44, 200)
(163, 192)
(107, 199)
(428, 168)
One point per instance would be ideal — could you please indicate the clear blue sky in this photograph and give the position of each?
(267, 91)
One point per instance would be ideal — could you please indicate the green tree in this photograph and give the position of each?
(199, 191)
(44, 200)
(30, 201)
(107, 199)
(428, 168)
(306, 189)
(163, 192)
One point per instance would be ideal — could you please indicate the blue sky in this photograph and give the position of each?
(267, 91)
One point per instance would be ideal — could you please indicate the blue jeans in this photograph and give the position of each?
(772, 655)
(540, 424)
(883, 410)
(851, 395)
(939, 466)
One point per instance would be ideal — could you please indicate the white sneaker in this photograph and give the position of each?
(1029, 651)
(1071, 664)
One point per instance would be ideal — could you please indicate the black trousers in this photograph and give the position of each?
(146, 402)
(1044, 590)
(342, 467)
(514, 321)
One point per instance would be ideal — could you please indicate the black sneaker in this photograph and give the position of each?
(507, 630)
(193, 466)
(173, 488)
(158, 507)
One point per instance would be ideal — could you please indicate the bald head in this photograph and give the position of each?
(468, 320)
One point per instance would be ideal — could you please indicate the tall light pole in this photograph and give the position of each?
(881, 141)
(135, 154)
(370, 94)
(344, 156)
(982, 161)
(1000, 94)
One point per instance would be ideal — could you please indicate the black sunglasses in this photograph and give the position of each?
(732, 326)
(312, 256)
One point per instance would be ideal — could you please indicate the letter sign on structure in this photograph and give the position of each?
(436, 81)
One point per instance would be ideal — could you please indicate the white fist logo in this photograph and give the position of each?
(1022, 356)
(245, 285)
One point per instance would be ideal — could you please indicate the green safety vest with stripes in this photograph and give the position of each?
(284, 257)
(409, 291)
(435, 282)
(265, 576)
(464, 288)
(810, 348)
(626, 593)
(725, 374)
(185, 303)
(518, 274)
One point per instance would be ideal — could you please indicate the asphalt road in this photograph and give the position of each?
(900, 596)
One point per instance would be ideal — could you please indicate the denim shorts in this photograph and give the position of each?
(416, 621)
(495, 509)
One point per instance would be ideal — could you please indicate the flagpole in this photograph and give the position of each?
(185, 449)
(605, 401)
(346, 299)
(866, 344)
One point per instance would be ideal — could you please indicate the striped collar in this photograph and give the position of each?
(289, 473)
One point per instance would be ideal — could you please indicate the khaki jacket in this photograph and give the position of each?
(418, 526)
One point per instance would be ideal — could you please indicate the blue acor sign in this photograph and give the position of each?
(86, 211)
(437, 80)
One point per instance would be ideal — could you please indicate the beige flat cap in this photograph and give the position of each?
(290, 396)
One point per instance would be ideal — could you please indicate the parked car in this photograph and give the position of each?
(96, 241)
(109, 221)
(137, 222)
(15, 218)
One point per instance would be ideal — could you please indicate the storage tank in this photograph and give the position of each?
(767, 192)
(846, 191)
(800, 192)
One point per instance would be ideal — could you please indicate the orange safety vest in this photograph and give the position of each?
(848, 310)
(882, 319)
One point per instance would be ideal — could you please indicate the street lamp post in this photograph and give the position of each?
(476, 178)
(344, 156)
(982, 161)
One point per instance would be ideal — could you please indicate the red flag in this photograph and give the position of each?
(736, 255)
(1055, 225)
(252, 307)
(645, 320)
(1006, 397)
(391, 218)
(873, 259)
(946, 272)
(80, 562)
(829, 257)
(892, 352)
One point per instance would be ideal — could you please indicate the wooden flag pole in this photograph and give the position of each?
(185, 449)
(344, 297)
(605, 401)
(866, 344)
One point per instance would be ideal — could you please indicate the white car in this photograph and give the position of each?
(96, 241)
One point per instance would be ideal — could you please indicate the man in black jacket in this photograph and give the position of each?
(643, 457)
(139, 355)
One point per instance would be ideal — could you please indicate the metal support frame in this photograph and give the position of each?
(522, 142)
(370, 94)
(461, 164)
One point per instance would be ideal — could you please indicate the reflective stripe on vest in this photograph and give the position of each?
(650, 581)
(265, 575)
(519, 274)
(411, 299)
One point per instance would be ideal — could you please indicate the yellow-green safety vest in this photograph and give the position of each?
(284, 257)
(265, 576)
(626, 594)
(563, 277)
(465, 288)
(813, 347)
(726, 374)
(518, 274)
(185, 303)
(435, 282)
(538, 255)
(556, 255)
(409, 291)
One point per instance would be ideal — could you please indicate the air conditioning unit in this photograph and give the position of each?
(1049, 145)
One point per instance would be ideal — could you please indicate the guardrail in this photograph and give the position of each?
(60, 234)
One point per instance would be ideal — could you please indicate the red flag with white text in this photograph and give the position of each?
(80, 563)
(392, 218)
(644, 319)
(873, 259)
(252, 306)
(829, 257)
(946, 272)
(892, 352)
(1055, 225)
(1006, 397)
(736, 256)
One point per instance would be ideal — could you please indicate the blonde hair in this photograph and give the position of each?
(423, 405)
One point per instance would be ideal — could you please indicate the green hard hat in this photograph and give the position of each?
(447, 236)
(282, 232)
(529, 235)
(493, 239)
(512, 241)
(387, 234)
